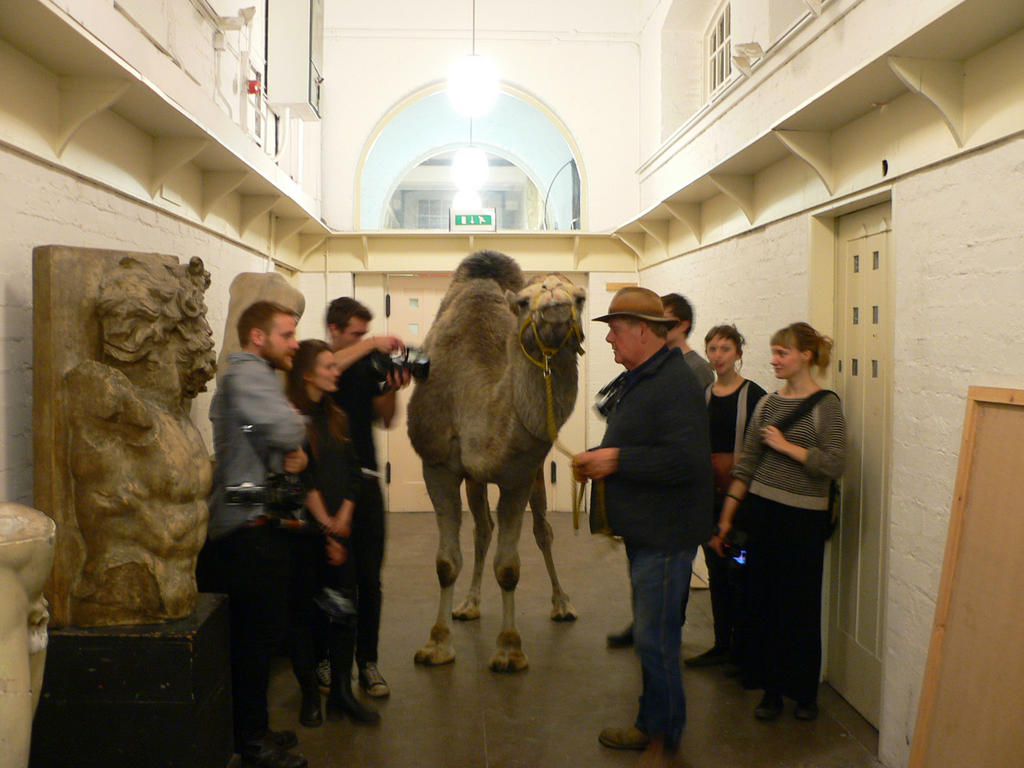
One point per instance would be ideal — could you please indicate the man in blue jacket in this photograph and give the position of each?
(654, 464)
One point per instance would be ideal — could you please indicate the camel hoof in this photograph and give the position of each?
(438, 649)
(509, 656)
(562, 610)
(509, 660)
(468, 611)
(432, 655)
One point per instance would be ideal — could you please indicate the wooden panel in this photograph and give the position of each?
(972, 700)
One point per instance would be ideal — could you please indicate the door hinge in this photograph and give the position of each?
(387, 305)
(554, 473)
(387, 473)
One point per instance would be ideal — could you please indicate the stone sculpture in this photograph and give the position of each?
(246, 289)
(130, 471)
(502, 382)
(27, 539)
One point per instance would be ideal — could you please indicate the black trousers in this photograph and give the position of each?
(366, 552)
(251, 565)
(782, 614)
(307, 556)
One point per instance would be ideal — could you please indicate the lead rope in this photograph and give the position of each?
(578, 488)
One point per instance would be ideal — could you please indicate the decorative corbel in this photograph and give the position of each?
(940, 81)
(739, 189)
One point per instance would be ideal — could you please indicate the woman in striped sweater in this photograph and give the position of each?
(785, 477)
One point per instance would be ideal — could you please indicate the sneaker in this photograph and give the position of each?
(323, 675)
(624, 738)
(372, 681)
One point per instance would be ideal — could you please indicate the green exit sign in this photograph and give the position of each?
(473, 221)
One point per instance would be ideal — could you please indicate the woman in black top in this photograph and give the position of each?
(326, 581)
(731, 400)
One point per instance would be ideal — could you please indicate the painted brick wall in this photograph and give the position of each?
(757, 281)
(44, 206)
(959, 284)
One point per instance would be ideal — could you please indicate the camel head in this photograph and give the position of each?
(550, 312)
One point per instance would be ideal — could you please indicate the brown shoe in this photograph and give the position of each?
(624, 738)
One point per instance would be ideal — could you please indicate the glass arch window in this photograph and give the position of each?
(534, 182)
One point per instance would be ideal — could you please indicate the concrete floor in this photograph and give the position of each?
(464, 716)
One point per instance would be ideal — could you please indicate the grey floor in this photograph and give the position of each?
(464, 716)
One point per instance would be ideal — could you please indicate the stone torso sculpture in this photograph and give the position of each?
(141, 472)
(483, 416)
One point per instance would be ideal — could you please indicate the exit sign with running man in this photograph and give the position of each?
(482, 220)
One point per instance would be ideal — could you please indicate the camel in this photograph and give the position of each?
(502, 382)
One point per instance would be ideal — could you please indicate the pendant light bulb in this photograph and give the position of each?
(467, 200)
(469, 169)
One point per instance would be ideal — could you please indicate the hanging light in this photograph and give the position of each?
(473, 82)
(467, 200)
(469, 168)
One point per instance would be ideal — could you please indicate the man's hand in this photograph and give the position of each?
(596, 464)
(398, 379)
(386, 344)
(295, 461)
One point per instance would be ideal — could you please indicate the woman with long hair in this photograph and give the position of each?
(325, 585)
(731, 401)
(785, 474)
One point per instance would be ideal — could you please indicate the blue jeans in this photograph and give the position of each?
(659, 580)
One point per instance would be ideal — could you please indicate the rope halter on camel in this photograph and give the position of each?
(544, 363)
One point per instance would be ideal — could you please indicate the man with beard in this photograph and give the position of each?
(256, 432)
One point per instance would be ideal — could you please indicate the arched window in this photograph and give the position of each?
(534, 181)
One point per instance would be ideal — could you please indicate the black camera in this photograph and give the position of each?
(609, 395)
(412, 359)
(281, 496)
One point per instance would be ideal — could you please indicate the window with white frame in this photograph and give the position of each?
(719, 61)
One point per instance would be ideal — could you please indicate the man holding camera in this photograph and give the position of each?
(366, 396)
(257, 437)
(652, 476)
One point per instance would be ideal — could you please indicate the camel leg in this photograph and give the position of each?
(561, 608)
(483, 527)
(509, 656)
(443, 487)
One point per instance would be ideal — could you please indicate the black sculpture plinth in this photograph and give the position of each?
(155, 695)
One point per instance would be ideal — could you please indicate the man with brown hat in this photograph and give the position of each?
(654, 464)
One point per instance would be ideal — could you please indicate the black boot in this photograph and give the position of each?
(310, 713)
(342, 646)
(300, 648)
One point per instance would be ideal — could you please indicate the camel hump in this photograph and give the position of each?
(491, 265)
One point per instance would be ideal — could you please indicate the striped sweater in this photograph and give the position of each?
(773, 475)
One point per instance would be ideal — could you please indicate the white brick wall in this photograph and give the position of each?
(757, 281)
(43, 206)
(959, 284)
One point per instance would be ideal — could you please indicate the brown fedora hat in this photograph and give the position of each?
(633, 301)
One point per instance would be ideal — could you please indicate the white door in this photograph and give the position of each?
(864, 379)
(413, 301)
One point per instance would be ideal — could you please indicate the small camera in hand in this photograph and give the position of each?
(735, 548)
(412, 359)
